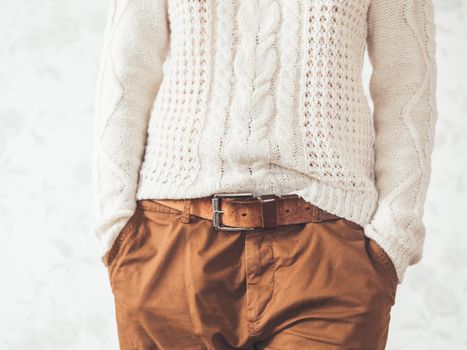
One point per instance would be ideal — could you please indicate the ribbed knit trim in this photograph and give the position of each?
(354, 206)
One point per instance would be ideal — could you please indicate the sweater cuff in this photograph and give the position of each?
(398, 245)
(106, 230)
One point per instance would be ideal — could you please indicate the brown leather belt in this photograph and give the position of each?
(244, 211)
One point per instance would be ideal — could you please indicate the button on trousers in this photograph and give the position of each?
(180, 284)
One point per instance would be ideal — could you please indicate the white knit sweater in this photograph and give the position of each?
(196, 97)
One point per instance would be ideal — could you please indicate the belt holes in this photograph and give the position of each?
(243, 214)
(287, 210)
(308, 208)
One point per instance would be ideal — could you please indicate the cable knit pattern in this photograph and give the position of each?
(403, 90)
(128, 80)
(197, 97)
(252, 106)
(287, 83)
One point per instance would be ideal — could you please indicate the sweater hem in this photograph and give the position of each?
(357, 206)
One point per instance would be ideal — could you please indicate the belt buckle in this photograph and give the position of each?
(216, 211)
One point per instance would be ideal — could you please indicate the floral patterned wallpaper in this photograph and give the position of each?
(54, 293)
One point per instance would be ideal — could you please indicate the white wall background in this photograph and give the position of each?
(54, 293)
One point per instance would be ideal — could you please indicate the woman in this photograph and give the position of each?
(197, 99)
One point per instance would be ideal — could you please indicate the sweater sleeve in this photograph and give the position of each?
(136, 42)
(401, 48)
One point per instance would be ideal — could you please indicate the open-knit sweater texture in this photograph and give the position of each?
(196, 97)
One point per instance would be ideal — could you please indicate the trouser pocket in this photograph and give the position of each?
(381, 261)
(387, 267)
(121, 237)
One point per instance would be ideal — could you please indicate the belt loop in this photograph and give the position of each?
(315, 214)
(268, 210)
(185, 218)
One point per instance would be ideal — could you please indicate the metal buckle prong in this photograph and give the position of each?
(216, 211)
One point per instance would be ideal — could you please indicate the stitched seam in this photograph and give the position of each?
(384, 261)
(116, 246)
(256, 323)
(158, 207)
(120, 238)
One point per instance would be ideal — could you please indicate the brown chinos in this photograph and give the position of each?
(184, 285)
